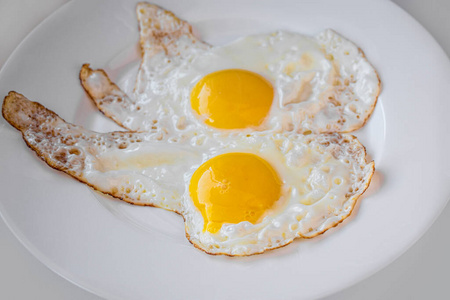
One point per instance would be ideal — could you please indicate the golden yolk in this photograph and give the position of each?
(234, 187)
(232, 99)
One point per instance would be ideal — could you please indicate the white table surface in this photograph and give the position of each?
(421, 273)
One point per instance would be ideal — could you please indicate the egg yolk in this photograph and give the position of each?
(232, 99)
(232, 188)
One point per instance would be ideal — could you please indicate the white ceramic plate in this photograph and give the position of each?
(120, 251)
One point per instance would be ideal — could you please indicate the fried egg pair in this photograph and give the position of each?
(238, 195)
(241, 140)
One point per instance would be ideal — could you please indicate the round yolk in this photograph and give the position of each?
(232, 99)
(234, 187)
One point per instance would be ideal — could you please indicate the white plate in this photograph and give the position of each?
(120, 251)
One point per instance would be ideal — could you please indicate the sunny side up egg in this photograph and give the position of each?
(239, 195)
(277, 82)
(222, 143)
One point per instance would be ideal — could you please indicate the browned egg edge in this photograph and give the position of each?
(370, 111)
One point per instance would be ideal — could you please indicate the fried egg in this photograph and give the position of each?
(238, 194)
(270, 82)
